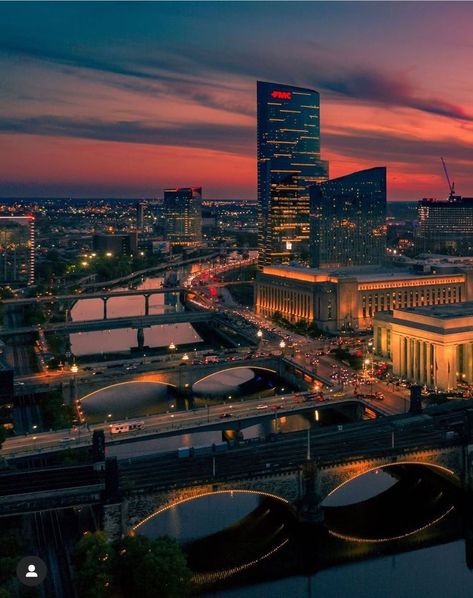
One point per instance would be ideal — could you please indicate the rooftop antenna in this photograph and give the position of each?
(451, 184)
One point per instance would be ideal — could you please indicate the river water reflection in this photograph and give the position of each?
(118, 340)
(289, 559)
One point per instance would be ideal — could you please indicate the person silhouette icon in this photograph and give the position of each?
(31, 571)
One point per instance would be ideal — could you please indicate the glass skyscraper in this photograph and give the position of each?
(348, 220)
(183, 213)
(288, 163)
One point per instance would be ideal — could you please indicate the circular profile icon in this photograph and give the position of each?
(31, 571)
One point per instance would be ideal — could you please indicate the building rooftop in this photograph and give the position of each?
(449, 311)
(360, 273)
(442, 320)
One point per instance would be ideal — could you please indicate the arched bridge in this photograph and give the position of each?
(286, 470)
(184, 377)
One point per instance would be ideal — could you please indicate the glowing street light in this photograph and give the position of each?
(259, 334)
(185, 357)
(172, 346)
(282, 345)
(74, 368)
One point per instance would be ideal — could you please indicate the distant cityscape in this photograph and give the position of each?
(237, 397)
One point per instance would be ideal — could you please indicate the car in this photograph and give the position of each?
(224, 415)
(259, 407)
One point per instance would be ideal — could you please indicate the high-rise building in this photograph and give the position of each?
(445, 227)
(116, 244)
(348, 220)
(288, 163)
(17, 250)
(6, 391)
(183, 213)
(140, 216)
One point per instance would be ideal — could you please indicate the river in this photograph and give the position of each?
(125, 339)
(281, 561)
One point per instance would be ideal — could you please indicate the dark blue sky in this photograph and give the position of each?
(128, 98)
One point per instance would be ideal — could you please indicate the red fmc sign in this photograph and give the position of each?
(281, 95)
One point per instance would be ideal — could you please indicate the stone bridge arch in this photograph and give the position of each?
(180, 376)
(137, 508)
(447, 462)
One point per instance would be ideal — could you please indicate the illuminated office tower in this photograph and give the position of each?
(17, 250)
(288, 163)
(348, 220)
(445, 227)
(183, 213)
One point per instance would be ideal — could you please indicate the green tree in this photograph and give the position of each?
(94, 559)
(152, 568)
(3, 435)
(55, 413)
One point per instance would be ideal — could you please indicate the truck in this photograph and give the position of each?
(119, 428)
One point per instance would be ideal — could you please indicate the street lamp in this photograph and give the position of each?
(74, 368)
(282, 346)
(259, 335)
(185, 357)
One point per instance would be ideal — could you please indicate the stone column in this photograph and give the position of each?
(147, 304)
(469, 372)
(409, 358)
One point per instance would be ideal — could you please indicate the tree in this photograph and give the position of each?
(3, 435)
(55, 413)
(154, 568)
(94, 565)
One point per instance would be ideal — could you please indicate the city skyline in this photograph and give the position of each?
(125, 108)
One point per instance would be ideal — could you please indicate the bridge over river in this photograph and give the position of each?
(300, 469)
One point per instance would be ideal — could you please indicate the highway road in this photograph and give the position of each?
(169, 423)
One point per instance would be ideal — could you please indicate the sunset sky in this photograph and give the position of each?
(124, 99)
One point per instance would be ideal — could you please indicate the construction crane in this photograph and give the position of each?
(451, 184)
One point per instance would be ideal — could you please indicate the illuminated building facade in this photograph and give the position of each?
(17, 250)
(348, 220)
(344, 300)
(288, 163)
(6, 391)
(428, 345)
(445, 227)
(183, 213)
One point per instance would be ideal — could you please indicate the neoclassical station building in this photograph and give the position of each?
(348, 298)
(430, 345)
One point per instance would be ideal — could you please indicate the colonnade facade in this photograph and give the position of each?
(428, 357)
